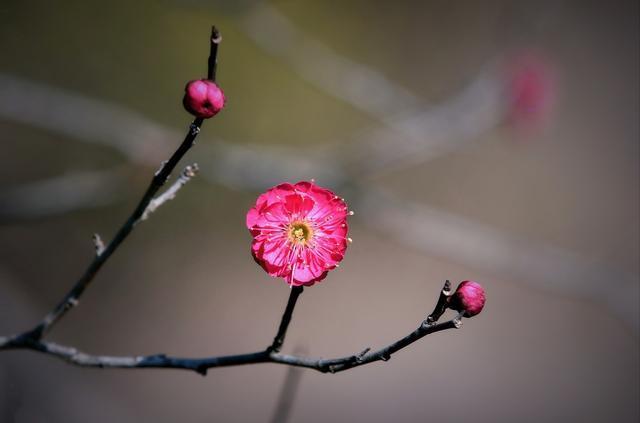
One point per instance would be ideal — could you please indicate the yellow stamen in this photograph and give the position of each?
(300, 232)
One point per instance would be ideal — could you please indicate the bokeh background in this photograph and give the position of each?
(496, 141)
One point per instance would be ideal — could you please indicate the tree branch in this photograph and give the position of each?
(201, 365)
(71, 299)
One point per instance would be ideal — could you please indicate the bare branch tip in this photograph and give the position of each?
(446, 289)
(216, 38)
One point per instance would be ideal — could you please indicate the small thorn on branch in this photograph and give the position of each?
(99, 245)
(363, 352)
(360, 356)
(186, 175)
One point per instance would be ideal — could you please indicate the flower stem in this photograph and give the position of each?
(286, 319)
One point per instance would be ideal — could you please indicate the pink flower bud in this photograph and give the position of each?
(203, 98)
(469, 297)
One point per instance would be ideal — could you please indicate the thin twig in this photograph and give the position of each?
(286, 319)
(186, 175)
(216, 39)
(161, 176)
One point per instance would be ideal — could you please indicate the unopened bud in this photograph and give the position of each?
(468, 298)
(203, 98)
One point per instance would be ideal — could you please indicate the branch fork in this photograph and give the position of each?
(186, 175)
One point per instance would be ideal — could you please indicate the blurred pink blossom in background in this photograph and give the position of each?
(531, 91)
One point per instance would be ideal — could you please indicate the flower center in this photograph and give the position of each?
(300, 232)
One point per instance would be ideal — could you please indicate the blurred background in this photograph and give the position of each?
(496, 141)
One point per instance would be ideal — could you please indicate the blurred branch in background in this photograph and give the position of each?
(428, 134)
(84, 119)
(287, 396)
(61, 194)
(359, 85)
(421, 135)
(411, 131)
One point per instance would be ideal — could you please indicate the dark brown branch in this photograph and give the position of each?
(71, 299)
(201, 365)
(286, 319)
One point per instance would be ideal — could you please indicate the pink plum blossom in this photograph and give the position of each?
(299, 232)
(468, 298)
(203, 98)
